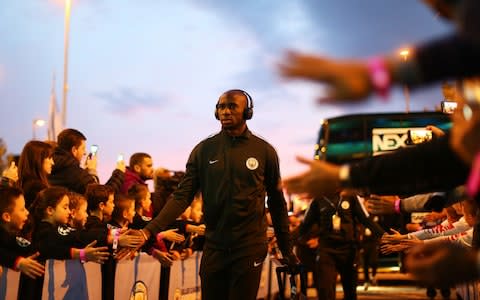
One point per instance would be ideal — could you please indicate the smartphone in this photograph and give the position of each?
(94, 149)
(418, 136)
(448, 107)
(120, 157)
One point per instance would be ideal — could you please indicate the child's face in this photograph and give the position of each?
(147, 202)
(17, 218)
(61, 213)
(109, 205)
(129, 213)
(79, 216)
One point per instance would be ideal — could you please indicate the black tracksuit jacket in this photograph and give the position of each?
(234, 175)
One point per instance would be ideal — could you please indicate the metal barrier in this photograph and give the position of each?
(9, 282)
(138, 279)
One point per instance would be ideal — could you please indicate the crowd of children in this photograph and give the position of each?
(60, 224)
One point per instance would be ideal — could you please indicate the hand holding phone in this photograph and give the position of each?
(448, 107)
(121, 163)
(436, 132)
(11, 172)
(91, 162)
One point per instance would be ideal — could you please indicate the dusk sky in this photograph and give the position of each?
(145, 75)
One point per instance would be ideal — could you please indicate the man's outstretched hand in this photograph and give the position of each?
(321, 179)
(344, 79)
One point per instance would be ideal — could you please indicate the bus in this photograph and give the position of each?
(352, 137)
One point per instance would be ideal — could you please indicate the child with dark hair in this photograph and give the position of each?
(15, 252)
(100, 199)
(78, 209)
(52, 235)
(192, 227)
(142, 197)
(123, 212)
(121, 217)
(100, 205)
(157, 247)
(56, 240)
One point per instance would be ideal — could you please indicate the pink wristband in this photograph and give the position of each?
(83, 258)
(116, 234)
(379, 76)
(397, 206)
(473, 181)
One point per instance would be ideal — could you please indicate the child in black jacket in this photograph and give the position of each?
(16, 252)
(54, 239)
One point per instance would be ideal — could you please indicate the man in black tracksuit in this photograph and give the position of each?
(234, 170)
(337, 220)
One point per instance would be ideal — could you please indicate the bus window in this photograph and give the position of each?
(352, 137)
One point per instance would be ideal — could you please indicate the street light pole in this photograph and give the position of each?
(65, 62)
(36, 123)
(404, 53)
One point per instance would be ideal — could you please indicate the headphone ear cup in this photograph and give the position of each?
(247, 113)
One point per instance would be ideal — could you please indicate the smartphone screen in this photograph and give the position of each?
(449, 107)
(418, 136)
(93, 149)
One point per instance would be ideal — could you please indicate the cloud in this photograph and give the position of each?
(127, 100)
(360, 30)
(275, 25)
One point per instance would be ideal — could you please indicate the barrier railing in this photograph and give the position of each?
(137, 279)
(9, 282)
(70, 279)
